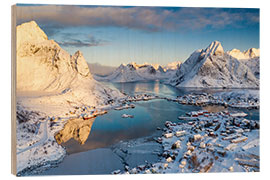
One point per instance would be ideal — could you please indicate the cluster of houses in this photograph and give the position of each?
(223, 141)
(204, 99)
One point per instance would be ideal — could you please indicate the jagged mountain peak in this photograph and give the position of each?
(122, 65)
(215, 48)
(78, 53)
(29, 31)
(252, 52)
(79, 64)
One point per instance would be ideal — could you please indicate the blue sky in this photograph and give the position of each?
(112, 35)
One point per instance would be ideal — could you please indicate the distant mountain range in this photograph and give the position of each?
(44, 66)
(209, 67)
(138, 72)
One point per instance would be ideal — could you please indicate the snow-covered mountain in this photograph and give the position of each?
(43, 67)
(171, 68)
(134, 72)
(212, 67)
(173, 65)
(250, 58)
(248, 54)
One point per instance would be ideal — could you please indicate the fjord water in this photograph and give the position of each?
(111, 128)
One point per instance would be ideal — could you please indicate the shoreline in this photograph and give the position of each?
(124, 105)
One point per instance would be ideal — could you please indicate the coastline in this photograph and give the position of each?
(41, 166)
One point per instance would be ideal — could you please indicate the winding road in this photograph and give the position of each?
(41, 141)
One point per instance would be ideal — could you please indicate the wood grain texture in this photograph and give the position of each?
(13, 91)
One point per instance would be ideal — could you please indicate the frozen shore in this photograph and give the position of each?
(216, 143)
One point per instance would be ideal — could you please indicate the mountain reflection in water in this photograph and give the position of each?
(78, 129)
(111, 128)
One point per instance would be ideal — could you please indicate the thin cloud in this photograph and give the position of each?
(143, 18)
(92, 41)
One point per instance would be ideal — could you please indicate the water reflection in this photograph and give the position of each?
(153, 87)
(214, 109)
(78, 129)
(156, 87)
(111, 128)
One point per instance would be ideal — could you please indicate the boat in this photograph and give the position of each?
(127, 116)
(86, 117)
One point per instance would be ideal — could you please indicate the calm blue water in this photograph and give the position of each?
(111, 128)
(148, 115)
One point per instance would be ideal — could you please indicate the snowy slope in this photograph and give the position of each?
(253, 64)
(250, 58)
(134, 72)
(212, 67)
(56, 77)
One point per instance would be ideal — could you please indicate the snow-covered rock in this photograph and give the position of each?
(79, 64)
(250, 57)
(42, 65)
(212, 67)
(29, 32)
(214, 48)
(58, 79)
(253, 64)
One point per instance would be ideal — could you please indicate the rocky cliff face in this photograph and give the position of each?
(79, 64)
(212, 67)
(43, 66)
